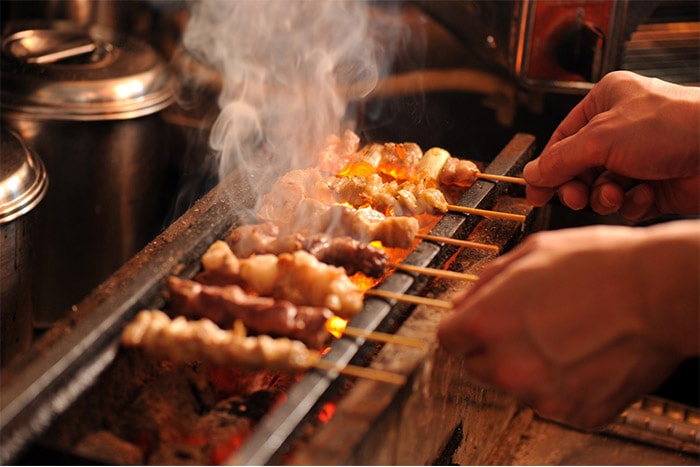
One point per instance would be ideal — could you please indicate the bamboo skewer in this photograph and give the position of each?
(501, 178)
(487, 213)
(458, 242)
(362, 372)
(436, 272)
(409, 298)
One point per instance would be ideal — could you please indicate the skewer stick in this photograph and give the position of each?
(458, 242)
(436, 272)
(362, 372)
(487, 213)
(501, 178)
(410, 298)
(338, 327)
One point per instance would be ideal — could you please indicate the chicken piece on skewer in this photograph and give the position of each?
(298, 277)
(346, 252)
(438, 165)
(262, 315)
(182, 341)
(366, 224)
(309, 216)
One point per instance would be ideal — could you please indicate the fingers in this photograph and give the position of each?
(639, 204)
(538, 196)
(566, 160)
(574, 194)
(607, 198)
(608, 192)
(573, 148)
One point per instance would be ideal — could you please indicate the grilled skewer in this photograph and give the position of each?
(226, 304)
(346, 252)
(182, 341)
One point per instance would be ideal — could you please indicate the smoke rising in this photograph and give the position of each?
(289, 69)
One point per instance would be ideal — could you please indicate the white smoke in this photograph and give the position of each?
(289, 69)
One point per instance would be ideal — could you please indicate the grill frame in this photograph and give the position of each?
(67, 362)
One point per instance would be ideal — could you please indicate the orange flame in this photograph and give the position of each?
(336, 326)
(361, 168)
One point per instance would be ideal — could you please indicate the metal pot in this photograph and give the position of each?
(89, 103)
(23, 184)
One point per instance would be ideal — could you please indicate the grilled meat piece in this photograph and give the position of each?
(263, 315)
(182, 341)
(458, 172)
(368, 225)
(346, 252)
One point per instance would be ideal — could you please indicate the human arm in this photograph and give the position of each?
(578, 323)
(631, 145)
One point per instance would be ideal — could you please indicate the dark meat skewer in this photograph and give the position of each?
(346, 252)
(263, 315)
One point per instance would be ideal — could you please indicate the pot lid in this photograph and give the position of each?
(23, 179)
(64, 72)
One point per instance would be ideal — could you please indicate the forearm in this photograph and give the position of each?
(667, 266)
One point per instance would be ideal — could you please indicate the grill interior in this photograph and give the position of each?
(79, 370)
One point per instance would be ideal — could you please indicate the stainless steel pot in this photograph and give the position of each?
(89, 102)
(23, 184)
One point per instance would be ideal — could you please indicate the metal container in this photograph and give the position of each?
(23, 184)
(89, 103)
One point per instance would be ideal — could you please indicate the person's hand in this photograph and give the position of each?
(631, 145)
(579, 323)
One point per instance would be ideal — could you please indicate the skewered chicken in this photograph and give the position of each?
(346, 252)
(309, 216)
(298, 277)
(391, 198)
(182, 341)
(265, 315)
(398, 161)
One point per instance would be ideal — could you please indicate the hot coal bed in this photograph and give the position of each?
(78, 397)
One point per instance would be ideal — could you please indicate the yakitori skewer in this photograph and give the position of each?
(181, 341)
(501, 178)
(436, 272)
(458, 242)
(487, 213)
(409, 298)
